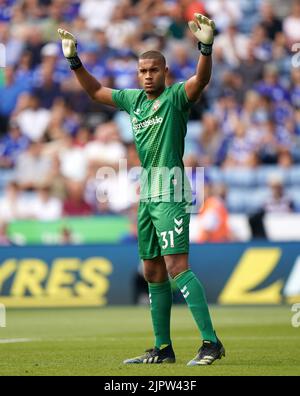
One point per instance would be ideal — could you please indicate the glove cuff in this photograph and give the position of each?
(205, 49)
(75, 62)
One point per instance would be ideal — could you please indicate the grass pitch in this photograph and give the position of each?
(258, 341)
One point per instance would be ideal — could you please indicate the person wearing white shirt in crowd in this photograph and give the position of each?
(32, 166)
(224, 12)
(107, 147)
(34, 120)
(120, 29)
(234, 44)
(12, 207)
(97, 13)
(44, 206)
(291, 25)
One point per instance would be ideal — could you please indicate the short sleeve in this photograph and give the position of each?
(125, 98)
(179, 97)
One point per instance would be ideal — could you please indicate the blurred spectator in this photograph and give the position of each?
(72, 160)
(221, 68)
(34, 44)
(5, 10)
(183, 66)
(122, 69)
(210, 141)
(9, 95)
(241, 148)
(47, 90)
(32, 166)
(4, 235)
(213, 216)
(177, 26)
(271, 86)
(278, 202)
(13, 46)
(291, 25)
(33, 119)
(12, 146)
(295, 88)
(285, 159)
(55, 179)
(66, 236)
(45, 207)
(121, 28)
(250, 69)
(224, 12)
(271, 23)
(54, 19)
(191, 7)
(97, 13)
(107, 147)
(262, 45)
(75, 205)
(12, 207)
(234, 45)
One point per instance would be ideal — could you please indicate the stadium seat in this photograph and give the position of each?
(239, 178)
(265, 173)
(5, 177)
(294, 176)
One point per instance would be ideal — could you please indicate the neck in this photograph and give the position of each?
(155, 95)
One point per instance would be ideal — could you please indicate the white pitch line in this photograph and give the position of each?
(15, 340)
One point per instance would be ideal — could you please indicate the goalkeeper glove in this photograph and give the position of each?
(203, 29)
(69, 46)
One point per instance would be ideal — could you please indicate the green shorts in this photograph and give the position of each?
(163, 229)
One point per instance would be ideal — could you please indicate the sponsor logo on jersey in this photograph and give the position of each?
(156, 105)
(147, 123)
(137, 112)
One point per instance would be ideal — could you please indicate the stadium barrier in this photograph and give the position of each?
(76, 276)
(112, 229)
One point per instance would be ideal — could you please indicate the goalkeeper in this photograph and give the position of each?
(159, 117)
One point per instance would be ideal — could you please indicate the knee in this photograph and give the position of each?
(150, 275)
(153, 275)
(176, 266)
(174, 269)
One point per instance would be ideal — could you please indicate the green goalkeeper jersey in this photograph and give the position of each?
(159, 128)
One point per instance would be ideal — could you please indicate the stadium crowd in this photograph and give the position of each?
(53, 138)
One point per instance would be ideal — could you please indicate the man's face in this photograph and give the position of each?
(152, 75)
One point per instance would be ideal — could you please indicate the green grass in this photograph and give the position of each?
(259, 341)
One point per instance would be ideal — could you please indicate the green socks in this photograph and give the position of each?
(161, 297)
(194, 295)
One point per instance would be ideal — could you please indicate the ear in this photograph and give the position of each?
(167, 70)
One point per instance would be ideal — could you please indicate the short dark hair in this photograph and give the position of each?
(154, 55)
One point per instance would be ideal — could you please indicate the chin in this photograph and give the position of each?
(149, 90)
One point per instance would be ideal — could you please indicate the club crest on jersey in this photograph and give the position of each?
(156, 105)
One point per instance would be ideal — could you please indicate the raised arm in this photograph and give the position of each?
(203, 29)
(92, 87)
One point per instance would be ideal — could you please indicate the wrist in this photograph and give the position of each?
(75, 62)
(205, 49)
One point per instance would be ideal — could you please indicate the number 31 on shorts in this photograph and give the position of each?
(168, 239)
